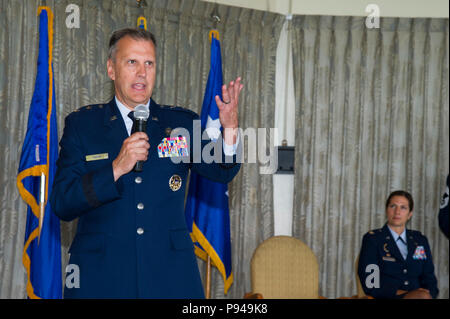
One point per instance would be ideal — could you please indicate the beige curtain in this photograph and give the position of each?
(248, 40)
(372, 116)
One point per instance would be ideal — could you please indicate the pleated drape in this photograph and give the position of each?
(371, 117)
(181, 28)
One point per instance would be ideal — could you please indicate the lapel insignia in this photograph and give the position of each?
(154, 118)
(175, 182)
(114, 117)
(173, 147)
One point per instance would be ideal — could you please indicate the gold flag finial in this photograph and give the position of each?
(142, 23)
(213, 33)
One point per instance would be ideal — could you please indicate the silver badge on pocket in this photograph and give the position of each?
(175, 182)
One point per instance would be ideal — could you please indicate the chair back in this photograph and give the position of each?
(285, 267)
(359, 288)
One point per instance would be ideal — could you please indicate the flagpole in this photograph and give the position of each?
(208, 278)
(213, 33)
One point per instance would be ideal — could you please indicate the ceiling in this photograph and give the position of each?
(387, 8)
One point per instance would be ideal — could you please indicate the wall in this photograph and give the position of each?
(388, 8)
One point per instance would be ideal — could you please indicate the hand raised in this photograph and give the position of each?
(228, 109)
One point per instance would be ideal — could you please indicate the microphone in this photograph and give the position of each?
(141, 114)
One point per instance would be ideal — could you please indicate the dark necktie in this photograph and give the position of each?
(131, 116)
(403, 248)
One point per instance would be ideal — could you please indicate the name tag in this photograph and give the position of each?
(96, 157)
(388, 258)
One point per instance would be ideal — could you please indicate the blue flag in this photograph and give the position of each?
(42, 248)
(207, 213)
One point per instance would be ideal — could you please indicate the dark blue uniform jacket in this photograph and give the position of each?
(131, 239)
(417, 271)
(444, 212)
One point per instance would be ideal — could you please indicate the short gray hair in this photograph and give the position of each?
(134, 33)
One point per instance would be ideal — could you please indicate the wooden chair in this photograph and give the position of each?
(360, 294)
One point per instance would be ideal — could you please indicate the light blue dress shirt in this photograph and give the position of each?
(401, 243)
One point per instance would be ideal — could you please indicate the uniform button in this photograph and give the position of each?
(406, 283)
(138, 180)
(140, 231)
(140, 206)
(405, 271)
